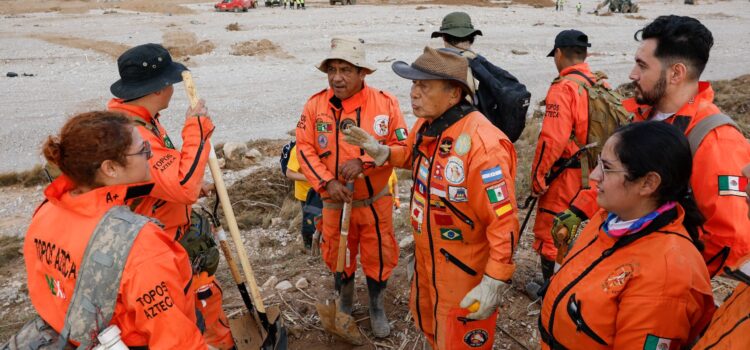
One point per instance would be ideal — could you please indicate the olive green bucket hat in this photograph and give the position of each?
(456, 24)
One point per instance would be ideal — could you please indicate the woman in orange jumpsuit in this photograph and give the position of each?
(104, 162)
(635, 278)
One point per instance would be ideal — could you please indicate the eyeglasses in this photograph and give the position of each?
(145, 150)
(600, 164)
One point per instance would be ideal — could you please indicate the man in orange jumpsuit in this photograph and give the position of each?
(463, 209)
(329, 163)
(147, 74)
(674, 51)
(564, 131)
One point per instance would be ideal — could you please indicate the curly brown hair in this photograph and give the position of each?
(85, 141)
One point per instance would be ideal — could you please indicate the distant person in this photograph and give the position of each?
(308, 198)
(635, 278)
(457, 31)
(674, 51)
(329, 164)
(578, 8)
(105, 165)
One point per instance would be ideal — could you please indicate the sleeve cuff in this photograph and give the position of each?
(499, 271)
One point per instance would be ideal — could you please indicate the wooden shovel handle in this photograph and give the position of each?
(344, 237)
(230, 261)
(562, 250)
(226, 205)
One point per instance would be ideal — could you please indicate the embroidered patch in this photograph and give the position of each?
(450, 234)
(168, 142)
(437, 205)
(380, 126)
(458, 194)
(444, 149)
(438, 172)
(476, 338)
(55, 287)
(498, 193)
(657, 343)
(322, 141)
(616, 280)
(419, 200)
(417, 215)
(731, 185)
(463, 144)
(420, 186)
(443, 220)
(401, 134)
(423, 173)
(321, 126)
(454, 170)
(551, 111)
(492, 174)
(504, 210)
(438, 190)
(301, 122)
(346, 124)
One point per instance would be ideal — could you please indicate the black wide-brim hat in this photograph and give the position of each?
(145, 69)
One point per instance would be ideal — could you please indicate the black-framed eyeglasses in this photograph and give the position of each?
(604, 170)
(145, 150)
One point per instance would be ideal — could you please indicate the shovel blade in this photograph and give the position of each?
(339, 323)
(249, 334)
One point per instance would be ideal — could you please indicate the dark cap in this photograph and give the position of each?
(456, 24)
(435, 65)
(570, 38)
(145, 69)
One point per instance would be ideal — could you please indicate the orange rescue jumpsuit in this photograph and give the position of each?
(178, 177)
(730, 326)
(463, 213)
(566, 117)
(611, 295)
(154, 308)
(721, 155)
(321, 150)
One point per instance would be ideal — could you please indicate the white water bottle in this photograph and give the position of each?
(109, 339)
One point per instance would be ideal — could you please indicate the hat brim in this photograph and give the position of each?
(130, 91)
(322, 66)
(457, 32)
(552, 53)
(406, 71)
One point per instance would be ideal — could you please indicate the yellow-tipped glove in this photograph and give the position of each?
(487, 294)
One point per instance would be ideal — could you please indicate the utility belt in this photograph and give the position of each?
(358, 203)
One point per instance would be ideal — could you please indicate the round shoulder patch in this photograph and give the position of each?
(463, 144)
(454, 171)
(380, 126)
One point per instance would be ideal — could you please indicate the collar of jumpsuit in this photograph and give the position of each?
(117, 104)
(96, 201)
(352, 103)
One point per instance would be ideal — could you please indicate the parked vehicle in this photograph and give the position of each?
(235, 5)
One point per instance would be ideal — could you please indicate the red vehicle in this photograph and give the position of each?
(234, 5)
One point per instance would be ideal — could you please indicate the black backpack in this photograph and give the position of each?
(500, 97)
(286, 152)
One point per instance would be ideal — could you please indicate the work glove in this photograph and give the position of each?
(356, 136)
(570, 219)
(487, 294)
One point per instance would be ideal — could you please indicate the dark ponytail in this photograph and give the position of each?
(662, 148)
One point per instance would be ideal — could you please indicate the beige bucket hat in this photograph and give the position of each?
(351, 50)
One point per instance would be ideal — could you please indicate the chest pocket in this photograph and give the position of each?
(576, 314)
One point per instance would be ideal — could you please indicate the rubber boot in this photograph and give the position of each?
(378, 319)
(346, 297)
(536, 289)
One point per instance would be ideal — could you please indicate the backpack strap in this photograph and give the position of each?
(585, 171)
(98, 283)
(149, 126)
(699, 132)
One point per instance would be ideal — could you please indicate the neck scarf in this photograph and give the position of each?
(616, 228)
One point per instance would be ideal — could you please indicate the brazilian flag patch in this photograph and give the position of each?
(451, 234)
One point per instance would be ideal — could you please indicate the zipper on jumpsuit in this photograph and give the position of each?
(429, 235)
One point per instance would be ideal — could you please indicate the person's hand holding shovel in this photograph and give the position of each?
(338, 191)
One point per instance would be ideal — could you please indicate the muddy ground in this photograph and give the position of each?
(256, 70)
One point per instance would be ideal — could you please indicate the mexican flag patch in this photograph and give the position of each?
(730, 185)
(401, 134)
(655, 343)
